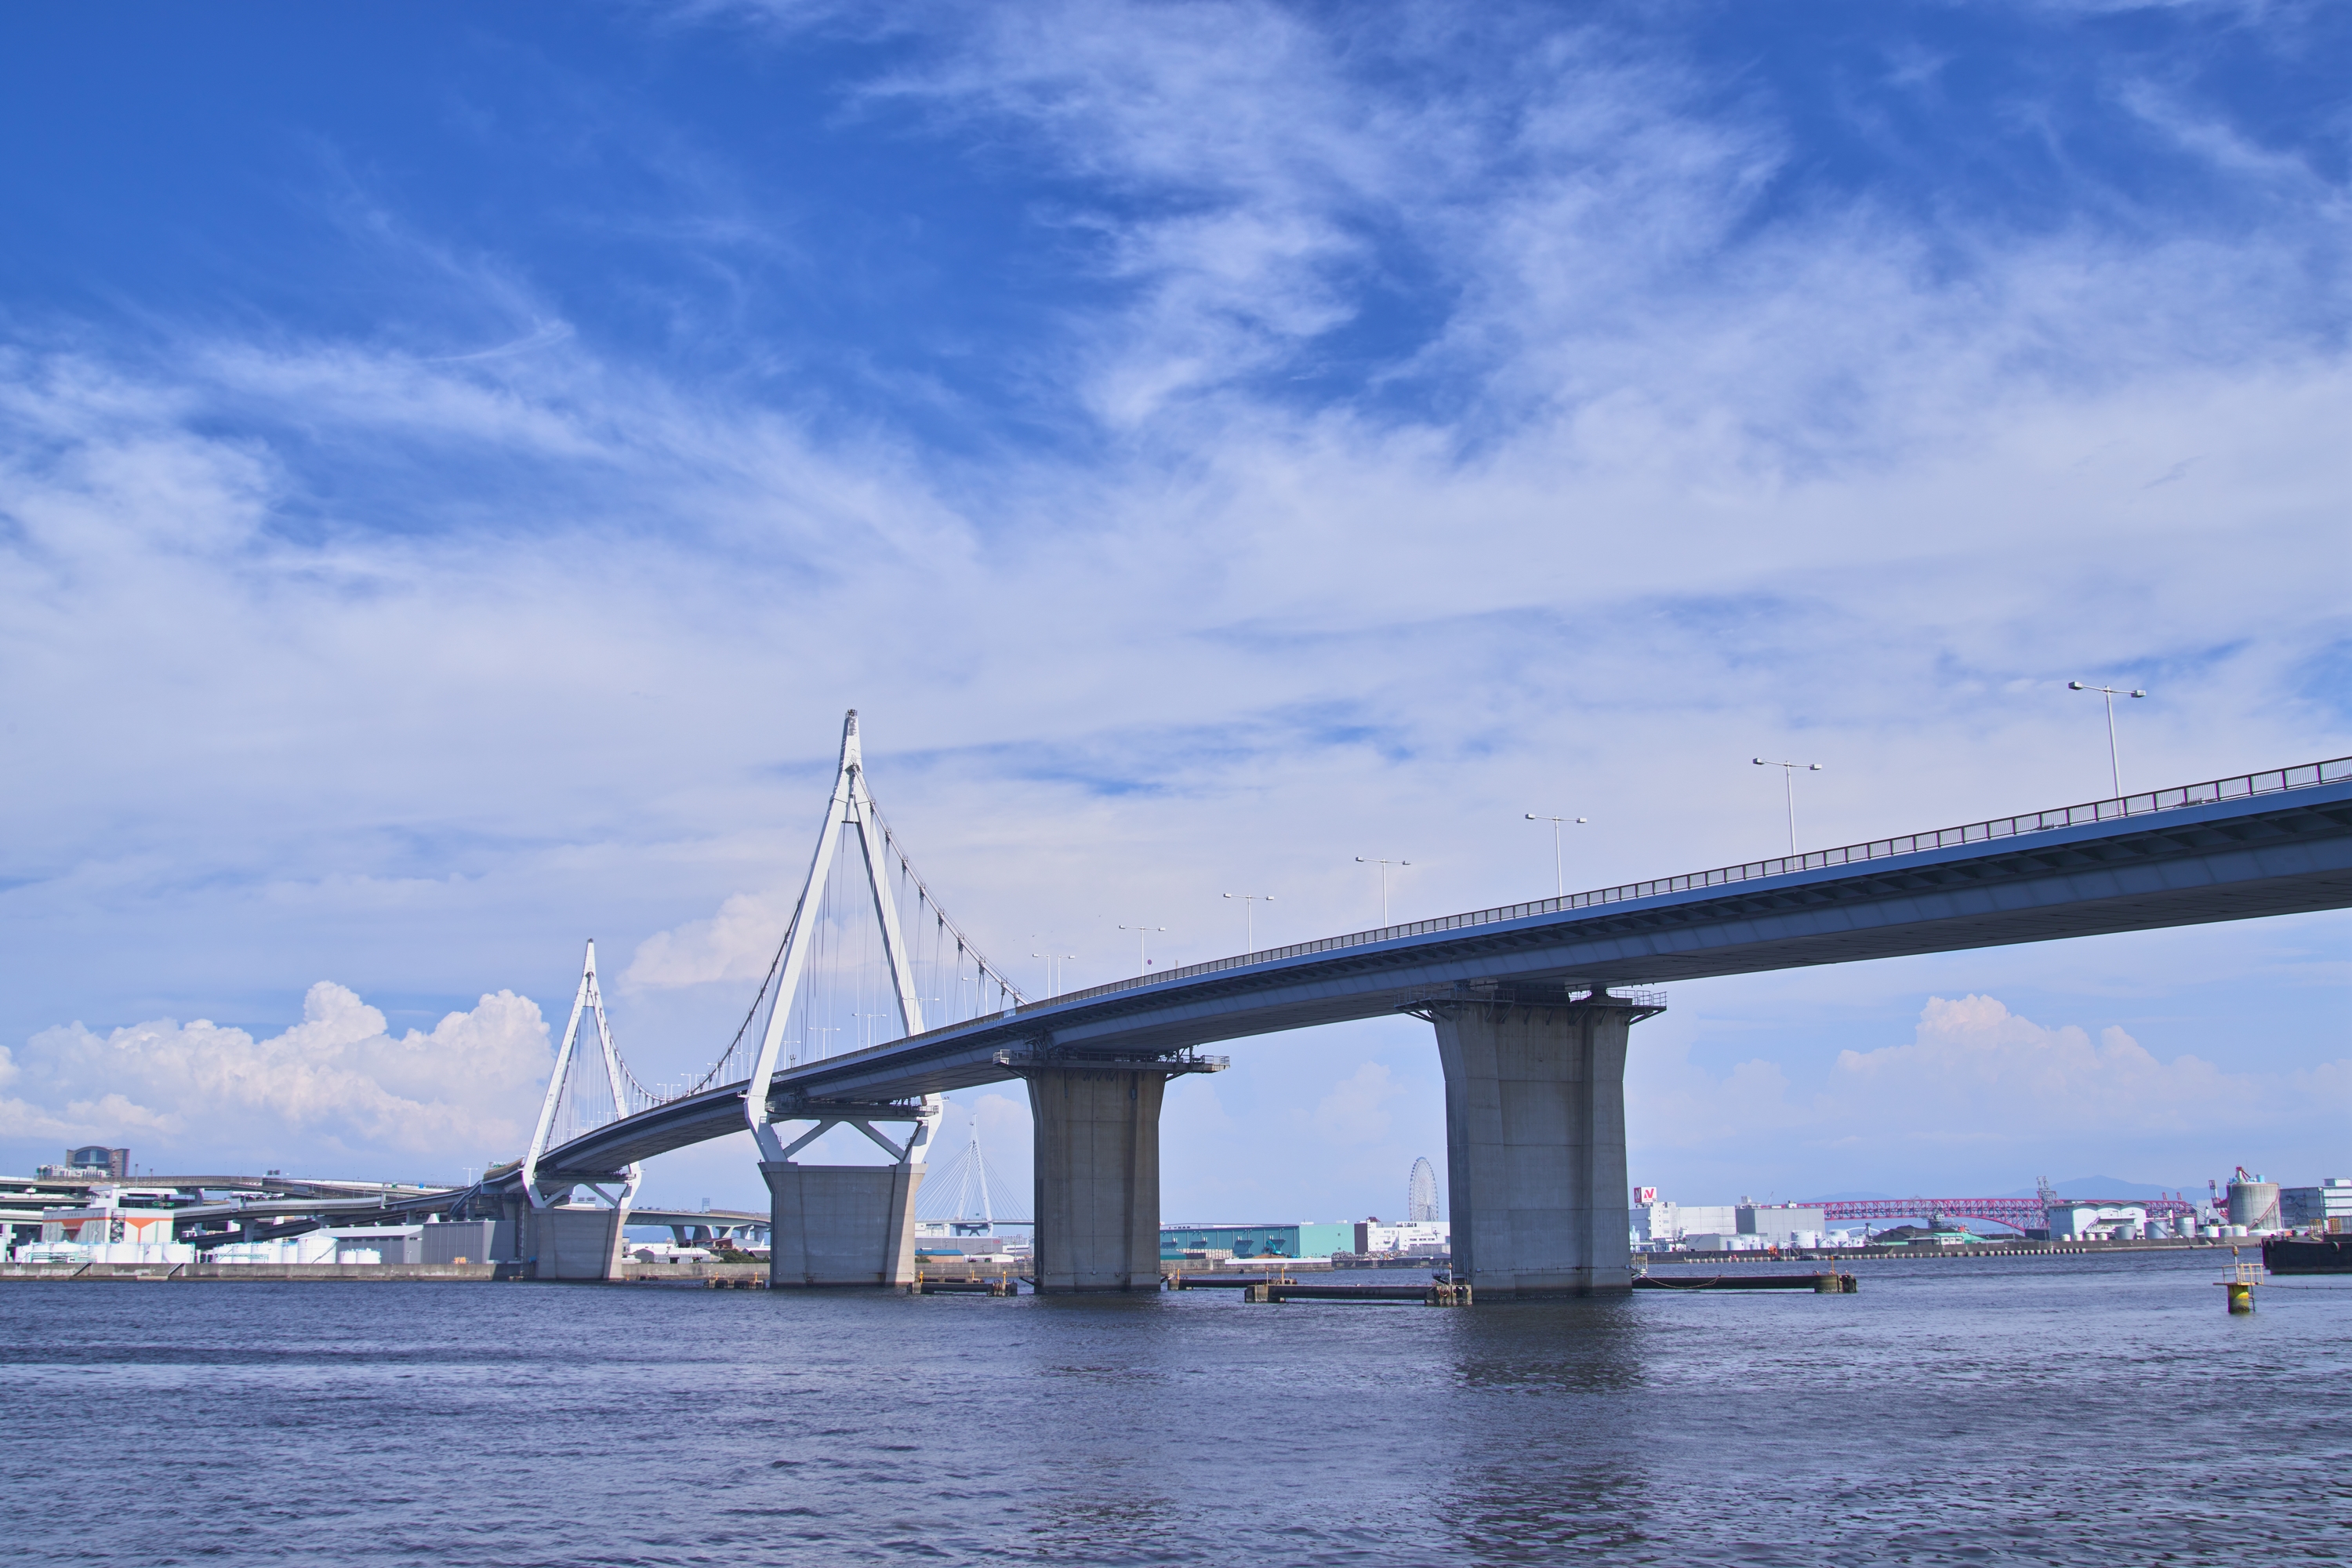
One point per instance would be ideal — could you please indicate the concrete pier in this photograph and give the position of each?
(569, 1242)
(841, 1224)
(1535, 1140)
(1098, 1176)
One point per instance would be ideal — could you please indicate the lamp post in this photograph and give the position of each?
(1142, 935)
(1559, 876)
(1789, 779)
(1054, 961)
(1249, 926)
(1384, 865)
(2115, 763)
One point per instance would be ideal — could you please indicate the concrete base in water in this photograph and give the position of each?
(841, 1224)
(1535, 1142)
(574, 1243)
(1098, 1177)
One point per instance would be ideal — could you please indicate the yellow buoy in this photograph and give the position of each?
(2240, 1287)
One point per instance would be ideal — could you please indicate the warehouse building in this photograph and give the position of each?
(1302, 1240)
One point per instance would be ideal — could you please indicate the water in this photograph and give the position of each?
(2018, 1410)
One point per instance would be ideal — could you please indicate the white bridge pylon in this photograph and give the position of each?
(852, 806)
(566, 1094)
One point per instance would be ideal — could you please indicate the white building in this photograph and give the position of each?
(1780, 1225)
(1653, 1223)
(2097, 1222)
(113, 1227)
(2327, 1205)
(1412, 1239)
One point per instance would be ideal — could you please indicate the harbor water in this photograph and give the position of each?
(2028, 1410)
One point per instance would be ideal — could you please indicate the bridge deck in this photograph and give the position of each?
(2234, 849)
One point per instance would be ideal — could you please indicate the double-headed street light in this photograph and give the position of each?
(1789, 780)
(1249, 927)
(2115, 765)
(1055, 962)
(1384, 865)
(1558, 876)
(1142, 935)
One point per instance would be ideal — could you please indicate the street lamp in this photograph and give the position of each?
(1384, 865)
(1559, 877)
(1789, 778)
(1142, 935)
(1249, 926)
(1054, 961)
(2115, 764)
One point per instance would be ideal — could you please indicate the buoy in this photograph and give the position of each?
(2240, 1287)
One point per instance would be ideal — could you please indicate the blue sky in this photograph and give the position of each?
(457, 464)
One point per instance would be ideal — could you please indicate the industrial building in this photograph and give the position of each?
(1725, 1228)
(2096, 1222)
(1302, 1240)
(2327, 1205)
(92, 1160)
(1412, 1239)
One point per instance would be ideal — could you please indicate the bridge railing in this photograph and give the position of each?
(2214, 790)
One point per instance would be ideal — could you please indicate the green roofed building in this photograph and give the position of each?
(1257, 1240)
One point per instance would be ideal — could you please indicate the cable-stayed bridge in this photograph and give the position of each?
(876, 1004)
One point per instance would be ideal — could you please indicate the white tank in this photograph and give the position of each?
(2254, 1202)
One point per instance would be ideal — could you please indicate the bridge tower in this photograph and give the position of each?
(1535, 1136)
(841, 1224)
(561, 1239)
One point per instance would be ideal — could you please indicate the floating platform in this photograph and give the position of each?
(1820, 1284)
(2308, 1254)
(1002, 1287)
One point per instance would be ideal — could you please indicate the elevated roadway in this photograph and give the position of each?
(2239, 848)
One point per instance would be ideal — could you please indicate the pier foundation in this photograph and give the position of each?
(1098, 1176)
(1534, 1138)
(841, 1224)
(574, 1242)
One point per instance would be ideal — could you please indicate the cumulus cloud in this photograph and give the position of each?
(737, 943)
(1973, 1059)
(1979, 1088)
(337, 1086)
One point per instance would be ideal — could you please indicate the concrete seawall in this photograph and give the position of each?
(255, 1272)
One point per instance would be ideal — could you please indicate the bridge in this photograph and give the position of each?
(1531, 1004)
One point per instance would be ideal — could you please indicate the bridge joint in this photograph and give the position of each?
(1044, 1056)
(1502, 996)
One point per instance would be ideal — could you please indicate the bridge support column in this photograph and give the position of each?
(841, 1224)
(1098, 1177)
(1534, 1138)
(576, 1242)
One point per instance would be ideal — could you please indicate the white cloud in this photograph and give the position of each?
(1973, 1060)
(737, 943)
(1356, 1110)
(314, 645)
(337, 1086)
(1981, 1090)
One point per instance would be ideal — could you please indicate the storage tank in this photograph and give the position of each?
(2253, 1202)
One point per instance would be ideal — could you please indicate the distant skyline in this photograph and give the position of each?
(457, 465)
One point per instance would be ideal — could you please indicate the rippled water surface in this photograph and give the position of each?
(2018, 1410)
